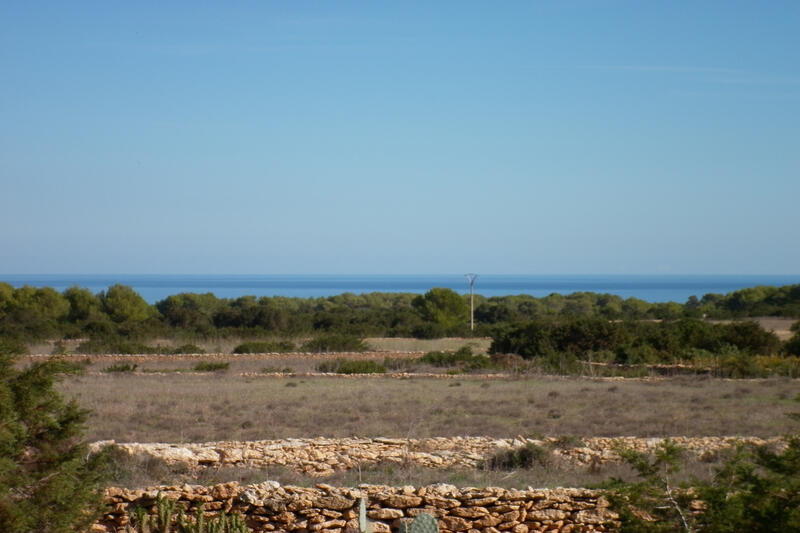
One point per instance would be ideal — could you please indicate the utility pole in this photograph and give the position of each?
(471, 279)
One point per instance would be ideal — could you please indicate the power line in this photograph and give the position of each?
(471, 279)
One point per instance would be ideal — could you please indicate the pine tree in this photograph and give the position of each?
(47, 482)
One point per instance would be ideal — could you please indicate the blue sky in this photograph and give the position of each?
(400, 137)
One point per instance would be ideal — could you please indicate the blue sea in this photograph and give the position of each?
(652, 288)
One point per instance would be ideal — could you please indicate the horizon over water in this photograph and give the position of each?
(648, 287)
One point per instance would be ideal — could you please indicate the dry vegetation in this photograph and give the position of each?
(225, 406)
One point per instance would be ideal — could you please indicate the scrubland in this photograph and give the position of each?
(181, 407)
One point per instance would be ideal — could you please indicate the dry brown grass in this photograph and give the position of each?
(224, 406)
(779, 325)
(390, 344)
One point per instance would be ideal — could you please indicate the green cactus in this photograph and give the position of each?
(424, 523)
(165, 510)
(364, 525)
(405, 526)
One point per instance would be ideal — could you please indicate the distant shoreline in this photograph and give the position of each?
(653, 288)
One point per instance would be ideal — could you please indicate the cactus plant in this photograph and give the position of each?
(364, 525)
(424, 523)
(162, 522)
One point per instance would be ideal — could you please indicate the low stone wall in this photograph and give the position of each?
(325, 509)
(324, 456)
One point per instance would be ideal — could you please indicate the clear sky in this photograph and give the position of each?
(521, 137)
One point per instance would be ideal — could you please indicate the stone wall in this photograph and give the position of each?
(324, 456)
(325, 509)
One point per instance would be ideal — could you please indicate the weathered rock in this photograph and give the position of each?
(402, 501)
(385, 514)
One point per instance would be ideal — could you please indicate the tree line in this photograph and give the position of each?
(29, 314)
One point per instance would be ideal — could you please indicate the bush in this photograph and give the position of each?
(334, 342)
(277, 370)
(446, 359)
(739, 365)
(527, 456)
(185, 348)
(211, 366)
(351, 366)
(12, 347)
(757, 489)
(265, 347)
(121, 367)
(47, 481)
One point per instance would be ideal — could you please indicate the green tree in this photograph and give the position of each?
(123, 304)
(444, 307)
(47, 484)
(792, 346)
(757, 490)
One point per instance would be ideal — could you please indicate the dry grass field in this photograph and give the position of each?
(182, 407)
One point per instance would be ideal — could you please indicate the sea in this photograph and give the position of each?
(651, 288)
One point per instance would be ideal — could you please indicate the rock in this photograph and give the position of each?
(469, 512)
(487, 521)
(334, 501)
(330, 524)
(433, 511)
(380, 527)
(385, 514)
(541, 515)
(402, 501)
(442, 503)
(454, 523)
(250, 497)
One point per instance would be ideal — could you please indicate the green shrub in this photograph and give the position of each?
(739, 365)
(166, 517)
(334, 342)
(48, 482)
(265, 347)
(12, 347)
(121, 367)
(566, 442)
(185, 348)
(463, 357)
(756, 489)
(351, 366)
(211, 366)
(277, 370)
(527, 456)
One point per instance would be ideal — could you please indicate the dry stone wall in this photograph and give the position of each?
(324, 509)
(324, 456)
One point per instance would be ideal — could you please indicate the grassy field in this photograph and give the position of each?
(226, 406)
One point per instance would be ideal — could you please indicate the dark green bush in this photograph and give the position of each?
(528, 456)
(185, 348)
(351, 366)
(12, 347)
(211, 366)
(334, 342)
(121, 367)
(277, 370)
(445, 359)
(265, 347)
(48, 481)
(756, 489)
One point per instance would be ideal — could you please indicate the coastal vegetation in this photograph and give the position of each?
(119, 315)
(557, 333)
